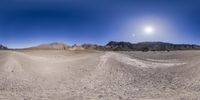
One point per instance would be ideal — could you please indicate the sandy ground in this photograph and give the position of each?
(98, 75)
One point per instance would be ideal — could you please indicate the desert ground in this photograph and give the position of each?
(99, 75)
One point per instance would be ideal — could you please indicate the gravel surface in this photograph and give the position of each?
(98, 75)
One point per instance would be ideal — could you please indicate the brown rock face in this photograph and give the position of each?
(154, 46)
(76, 47)
(51, 46)
(89, 46)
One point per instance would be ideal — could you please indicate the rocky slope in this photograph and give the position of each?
(51, 46)
(3, 47)
(62, 46)
(120, 46)
(154, 46)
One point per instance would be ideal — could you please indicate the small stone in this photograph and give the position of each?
(100, 96)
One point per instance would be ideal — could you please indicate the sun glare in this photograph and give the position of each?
(149, 30)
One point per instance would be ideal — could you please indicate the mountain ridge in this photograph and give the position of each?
(119, 46)
(114, 46)
(153, 46)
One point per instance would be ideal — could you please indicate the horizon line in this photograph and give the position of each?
(42, 43)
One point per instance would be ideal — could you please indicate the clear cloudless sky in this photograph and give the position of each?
(25, 23)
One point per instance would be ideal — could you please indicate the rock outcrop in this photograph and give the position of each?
(51, 46)
(3, 47)
(76, 48)
(153, 46)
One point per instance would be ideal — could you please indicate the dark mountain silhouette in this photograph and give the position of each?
(153, 46)
(3, 47)
(94, 47)
(119, 46)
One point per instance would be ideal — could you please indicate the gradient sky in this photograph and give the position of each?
(25, 23)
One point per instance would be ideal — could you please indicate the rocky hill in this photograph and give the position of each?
(120, 46)
(75, 47)
(153, 46)
(3, 47)
(56, 46)
(94, 47)
(62, 46)
(51, 46)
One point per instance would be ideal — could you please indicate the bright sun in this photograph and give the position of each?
(149, 30)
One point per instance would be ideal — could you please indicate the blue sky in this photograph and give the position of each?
(25, 23)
